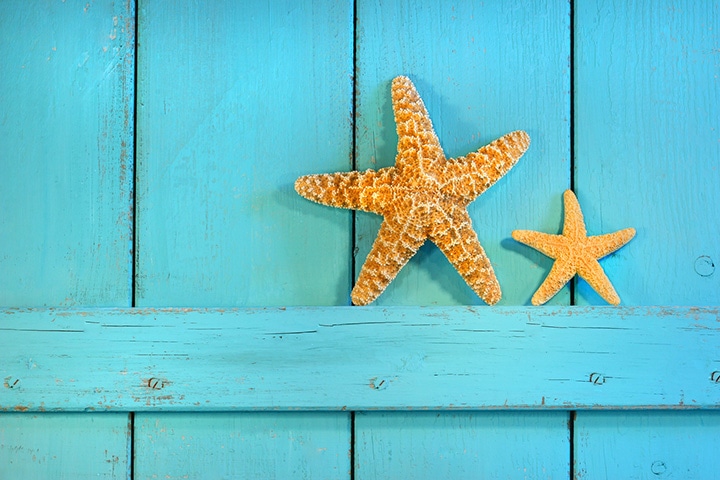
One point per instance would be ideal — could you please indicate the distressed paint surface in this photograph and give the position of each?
(64, 446)
(66, 169)
(646, 155)
(246, 97)
(432, 445)
(66, 153)
(483, 69)
(647, 137)
(654, 445)
(242, 445)
(411, 357)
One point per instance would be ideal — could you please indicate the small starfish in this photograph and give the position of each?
(424, 196)
(575, 252)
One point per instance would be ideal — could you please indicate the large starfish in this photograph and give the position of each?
(575, 253)
(424, 196)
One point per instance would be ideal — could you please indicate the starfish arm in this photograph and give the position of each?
(574, 223)
(553, 246)
(461, 246)
(353, 190)
(600, 245)
(592, 272)
(418, 145)
(471, 175)
(560, 273)
(394, 246)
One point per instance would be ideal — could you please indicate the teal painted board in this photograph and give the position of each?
(647, 445)
(237, 100)
(66, 123)
(241, 445)
(483, 69)
(351, 358)
(64, 446)
(647, 138)
(432, 445)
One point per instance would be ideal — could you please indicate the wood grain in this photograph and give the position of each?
(359, 358)
(432, 445)
(483, 69)
(65, 446)
(237, 100)
(647, 137)
(66, 124)
(647, 445)
(243, 445)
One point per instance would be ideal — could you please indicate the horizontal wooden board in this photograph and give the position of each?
(359, 358)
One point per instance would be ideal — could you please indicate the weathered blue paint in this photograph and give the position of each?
(647, 445)
(243, 445)
(235, 101)
(647, 136)
(432, 445)
(412, 358)
(64, 446)
(483, 69)
(66, 172)
(66, 145)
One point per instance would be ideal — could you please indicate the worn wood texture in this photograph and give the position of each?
(242, 445)
(66, 170)
(649, 445)
(483, 69)
(360, 358)
(66, 147)
(64, 446)
(647, 138)
(235, 101)
(245, 98)
(432, 445)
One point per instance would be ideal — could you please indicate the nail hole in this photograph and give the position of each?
(379, 384)
(704, 266)
(658, 467)
(11, 382)
(155, 383)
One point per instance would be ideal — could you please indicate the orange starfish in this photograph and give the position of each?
(575, 253)
(424, 196)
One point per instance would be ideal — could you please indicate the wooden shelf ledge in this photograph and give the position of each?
(352, 358)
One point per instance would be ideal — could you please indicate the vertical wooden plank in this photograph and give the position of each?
(64, 446)
(483, 69)
(236, 100)
(243, 445)
(431, 445)
(66, 116)
(647, 103)
(660, 444)
(66, 123)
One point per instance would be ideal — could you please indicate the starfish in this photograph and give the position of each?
(424, 196)
(575, 253)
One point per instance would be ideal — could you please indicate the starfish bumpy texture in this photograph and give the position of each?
(574, 252)
(424, 196)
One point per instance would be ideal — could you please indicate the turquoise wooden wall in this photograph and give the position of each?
(171, 308)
